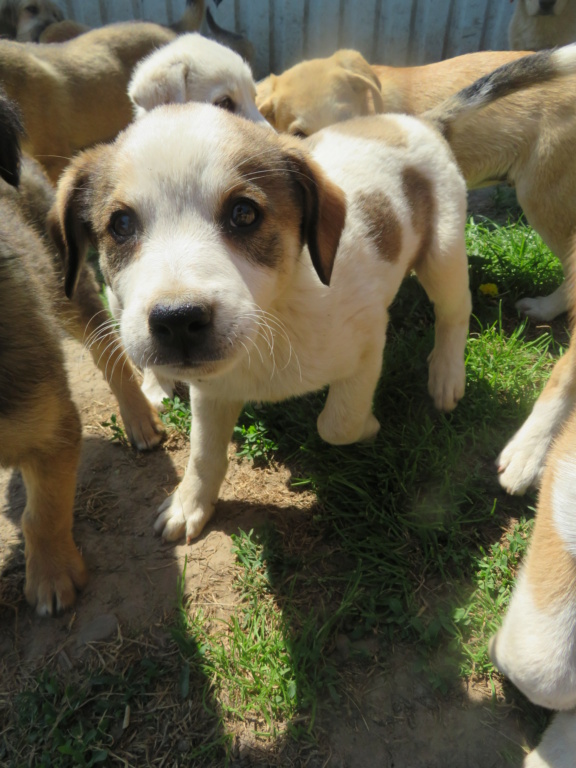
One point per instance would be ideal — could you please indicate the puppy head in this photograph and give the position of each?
(11, 132)
(33, 17)
(319, 92)
(544, 7)
(193, 68)
(200, 218)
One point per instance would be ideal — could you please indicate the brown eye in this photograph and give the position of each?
(300, 134)
(244, 214)
(226, 103)
(122, 225)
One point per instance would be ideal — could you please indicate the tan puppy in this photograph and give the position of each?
(255, 266)
(536, 646)
(38, 420)
(522, 139)
(73, 94)
(25, 20)
(538, 24)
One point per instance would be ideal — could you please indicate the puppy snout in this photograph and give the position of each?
(179, 326)
(546, 7)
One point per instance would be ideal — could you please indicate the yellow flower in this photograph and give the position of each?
(489, 289)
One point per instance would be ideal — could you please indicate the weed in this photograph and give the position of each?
(117, 430)
(177, 414)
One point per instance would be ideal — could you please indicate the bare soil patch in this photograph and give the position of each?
(392, 716)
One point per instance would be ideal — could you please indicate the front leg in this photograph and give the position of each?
(191, 505)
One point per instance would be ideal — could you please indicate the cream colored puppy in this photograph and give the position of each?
(536, 646)
(25, 20)
(538, 24)
(193, 68)
(260, 267)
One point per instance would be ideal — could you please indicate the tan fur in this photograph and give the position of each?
(61, 31)
(73, 94)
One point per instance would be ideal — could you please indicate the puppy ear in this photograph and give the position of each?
(265, 100)
(167, 87)
(324, 211)
(69, 222)
(361, 76)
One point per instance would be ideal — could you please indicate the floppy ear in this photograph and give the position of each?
(69, 222)
(361, 76)
(265, 100)
(167, 87)
(11, 131)
(324, 211)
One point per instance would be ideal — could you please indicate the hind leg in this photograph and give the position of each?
(445, 280)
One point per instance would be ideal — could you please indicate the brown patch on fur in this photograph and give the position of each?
(418, 190)
(383, 226)
(379, 128)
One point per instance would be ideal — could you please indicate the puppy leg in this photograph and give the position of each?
(48, 450)
(191, 505)
(91, 325)
(347, 415)
(544, 308)
(558, 746)
(521, 463)
(445, 280)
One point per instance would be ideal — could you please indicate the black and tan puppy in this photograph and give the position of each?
(39, 422)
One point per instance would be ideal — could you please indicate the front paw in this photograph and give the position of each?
(55, 572)
(446, 381)
(143, 426)
(179, 516)
(521, 463)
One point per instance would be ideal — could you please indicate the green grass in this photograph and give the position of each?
(411, 542)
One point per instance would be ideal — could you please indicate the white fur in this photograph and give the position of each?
(279, 331)
(531, 30)
(558, 746)
(193, 68)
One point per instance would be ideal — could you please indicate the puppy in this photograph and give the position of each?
(193, 68)
(259, 267)
(38, 420)
(536, 645)
(35, 405)
(523, 139)
(74, 94)
(538, 24)
(25, 20)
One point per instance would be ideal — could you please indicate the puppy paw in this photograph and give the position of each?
(156, 389)
(521, 463)
(345, 431)
(446, 381)
(176, 518)
(54, 574)
(541, 308)
(143, 426)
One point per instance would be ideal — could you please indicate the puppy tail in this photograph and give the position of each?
(511, 77)
(192, 17)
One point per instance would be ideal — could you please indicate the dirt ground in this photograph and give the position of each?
(393, 717)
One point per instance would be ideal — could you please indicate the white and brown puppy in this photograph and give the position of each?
(538, 24)
(25, 20)
(259, 267)
(536, 645)
(192, 68)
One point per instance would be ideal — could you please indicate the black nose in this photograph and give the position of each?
(178, 326)
(547, 6)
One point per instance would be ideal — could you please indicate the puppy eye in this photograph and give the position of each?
(300, 134)
(32, 10)
(244, 214)
(122, 225)
(226, 103)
